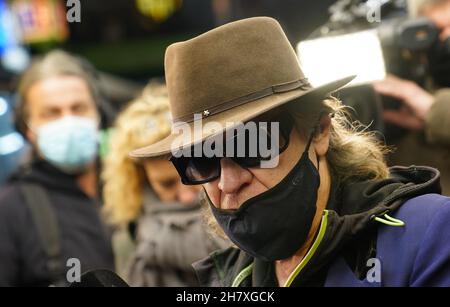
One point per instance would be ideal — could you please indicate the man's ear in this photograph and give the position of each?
(321, 139)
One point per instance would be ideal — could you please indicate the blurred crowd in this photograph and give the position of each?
(77, 194)
(154, 222)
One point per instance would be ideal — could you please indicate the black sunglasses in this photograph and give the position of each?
(198, 170)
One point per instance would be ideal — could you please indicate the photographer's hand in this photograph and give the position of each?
(416, 102)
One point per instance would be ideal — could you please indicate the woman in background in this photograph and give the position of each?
(149, 204)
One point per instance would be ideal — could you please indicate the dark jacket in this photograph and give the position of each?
(82, 235)
(353, 240)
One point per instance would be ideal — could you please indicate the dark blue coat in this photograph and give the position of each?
(392, 232)
(417, 254)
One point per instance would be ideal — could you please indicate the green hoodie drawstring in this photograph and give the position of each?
(389, 220)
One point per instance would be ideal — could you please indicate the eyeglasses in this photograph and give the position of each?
(198, 170)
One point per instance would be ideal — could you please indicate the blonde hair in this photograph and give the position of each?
(354, 154)
(145, 121)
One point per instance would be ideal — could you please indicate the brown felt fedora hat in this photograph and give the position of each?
(231, 74)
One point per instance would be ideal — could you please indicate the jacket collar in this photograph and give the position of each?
(41, 172)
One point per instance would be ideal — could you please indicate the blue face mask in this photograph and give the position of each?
(69, 143)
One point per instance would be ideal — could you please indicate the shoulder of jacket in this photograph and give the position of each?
(420, 215)
(424, 206)
(221, 267)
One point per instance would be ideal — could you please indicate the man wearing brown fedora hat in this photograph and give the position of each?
(328, 212)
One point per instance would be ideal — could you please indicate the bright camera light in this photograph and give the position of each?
(16, 59)
(327, 59)
(11, 143)
(3, 106)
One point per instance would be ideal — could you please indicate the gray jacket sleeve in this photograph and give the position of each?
(168, 243)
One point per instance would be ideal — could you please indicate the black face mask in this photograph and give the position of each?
(275, 224)
(439, 63)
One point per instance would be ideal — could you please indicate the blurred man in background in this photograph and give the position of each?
(426, 114)
(49, 211)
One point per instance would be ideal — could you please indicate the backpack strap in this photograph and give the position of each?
(43, 215)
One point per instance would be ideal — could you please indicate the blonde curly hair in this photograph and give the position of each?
(146, 120)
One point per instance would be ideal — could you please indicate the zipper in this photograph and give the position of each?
(243, 275)
(311, 252)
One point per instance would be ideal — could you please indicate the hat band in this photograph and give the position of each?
(275, 89)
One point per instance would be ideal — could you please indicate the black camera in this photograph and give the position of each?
(409, 48)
